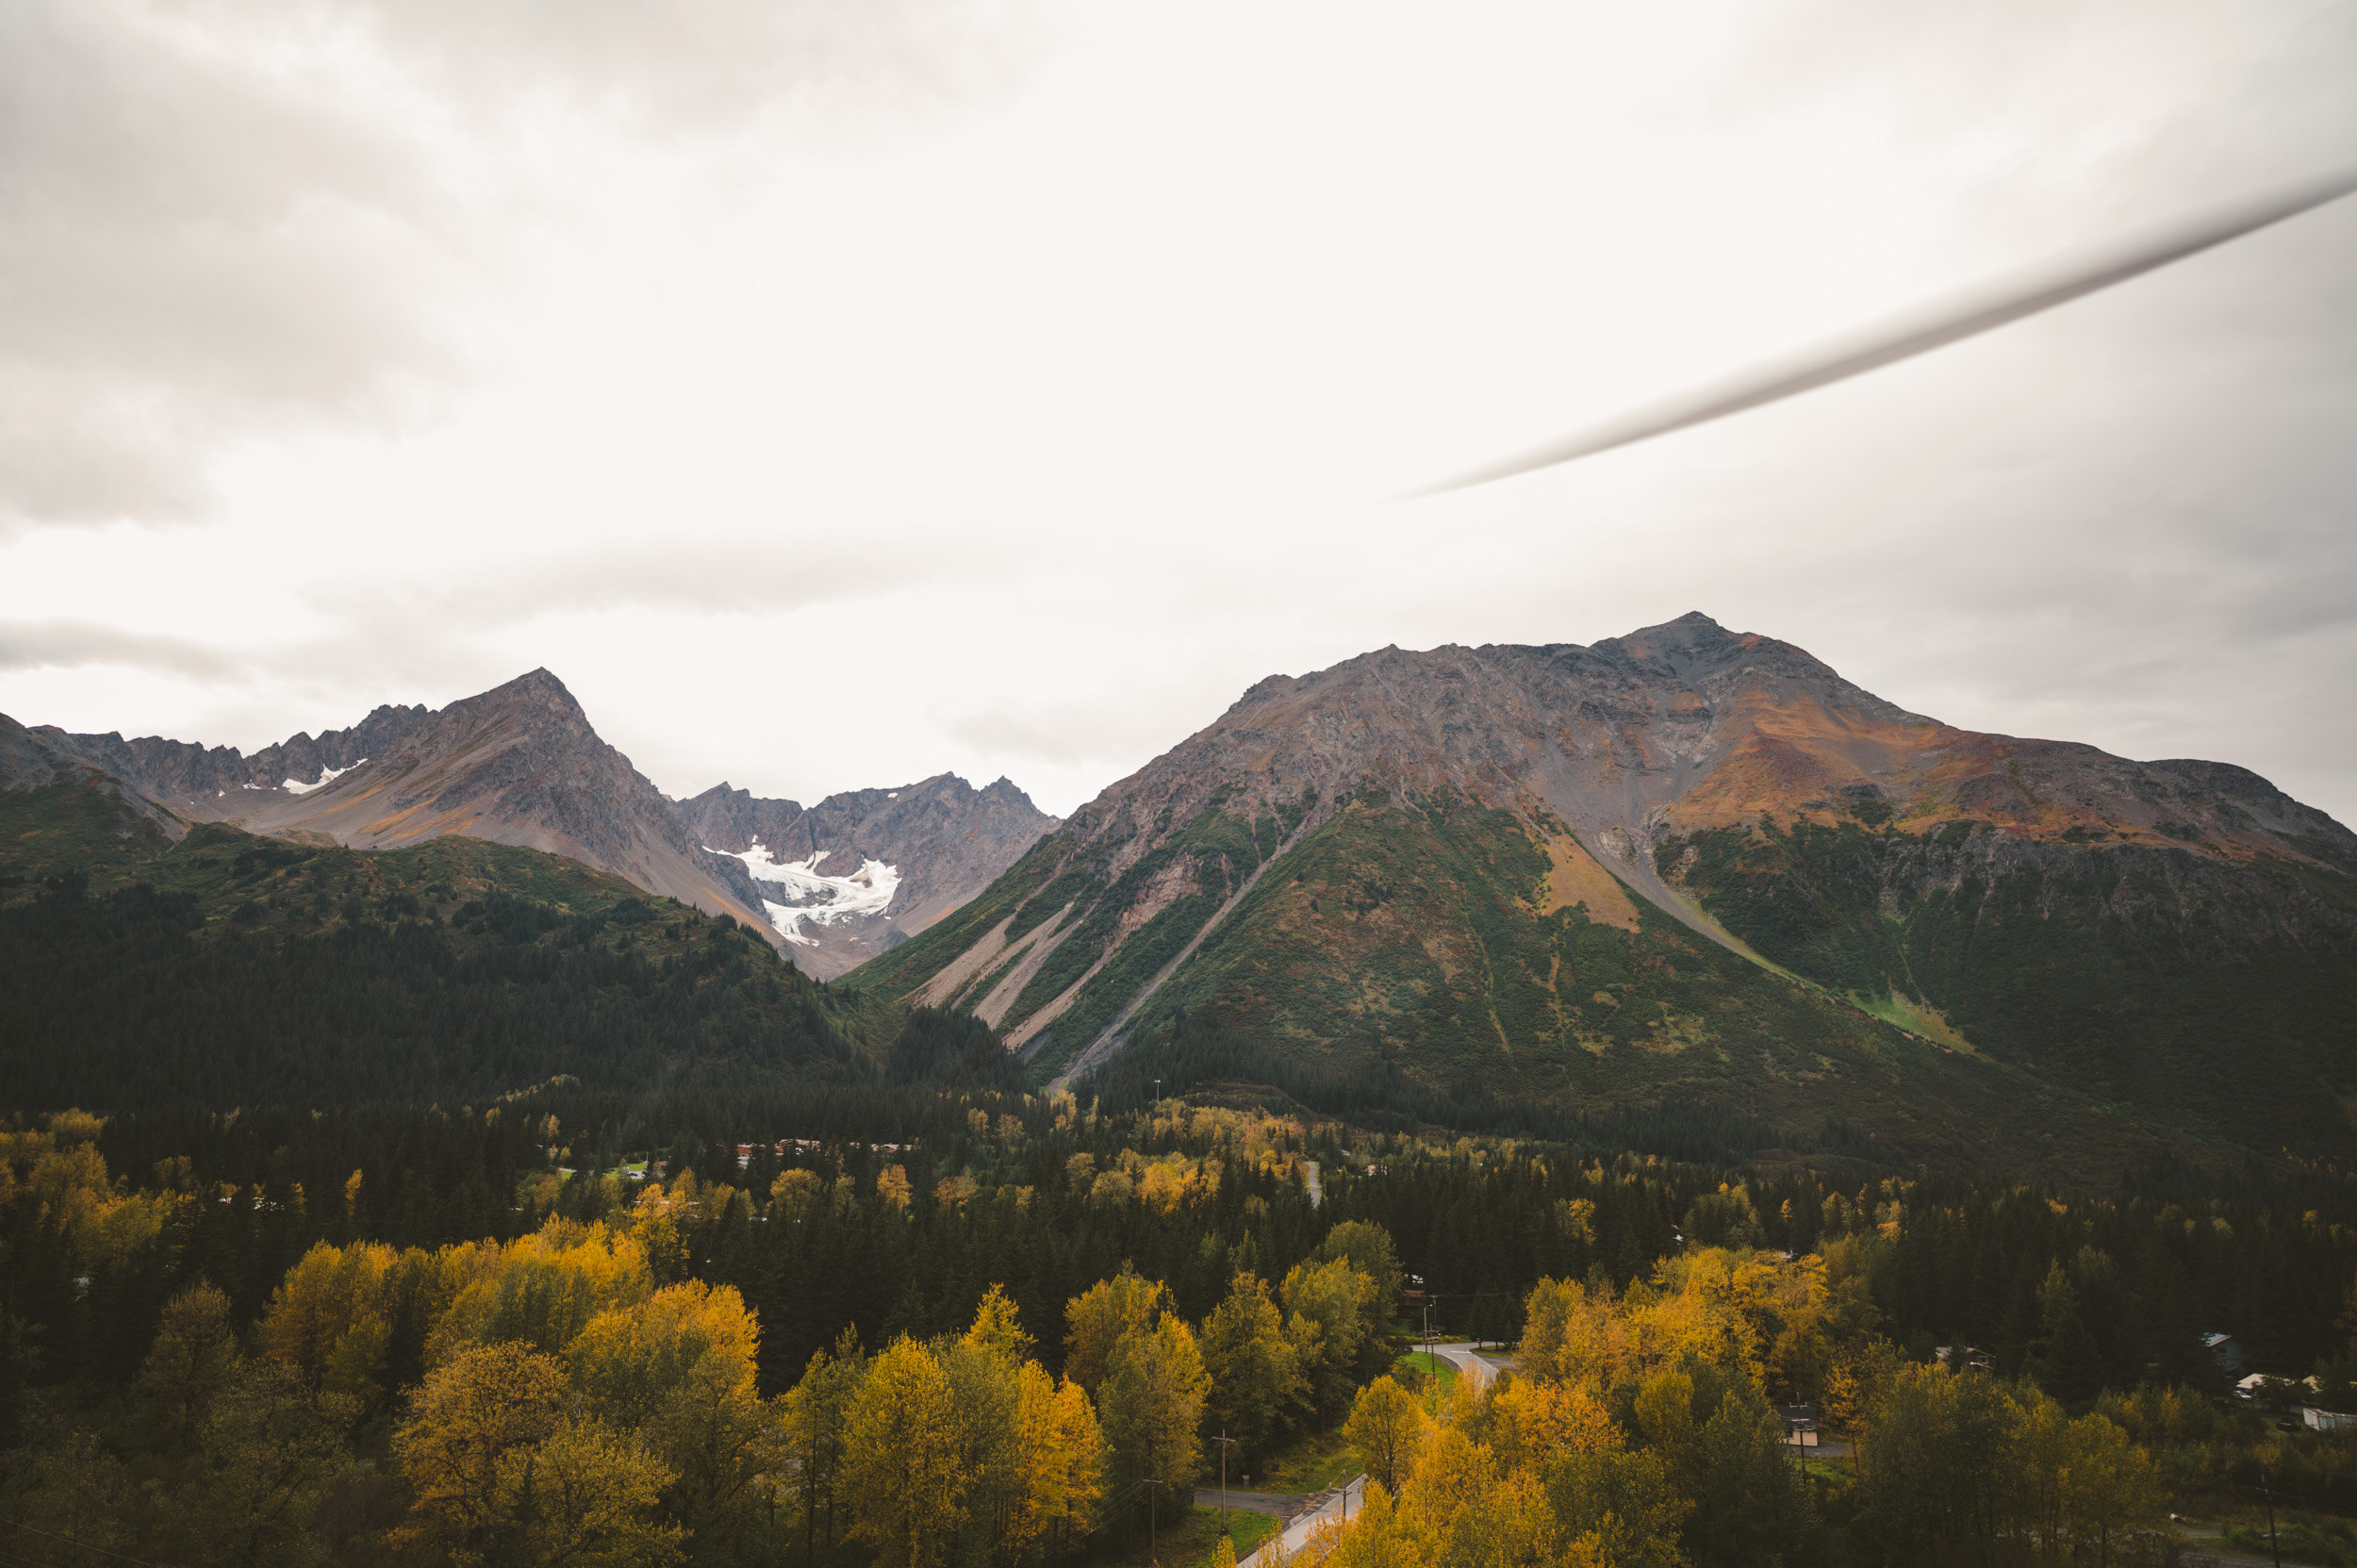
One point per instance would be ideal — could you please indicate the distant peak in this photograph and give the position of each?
(1695, 617)
(538, 685)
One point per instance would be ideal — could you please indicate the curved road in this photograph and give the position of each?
(1346, 1500)
(1469, 1361)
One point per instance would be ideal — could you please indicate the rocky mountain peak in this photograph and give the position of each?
(1652, 768)
(855, 874)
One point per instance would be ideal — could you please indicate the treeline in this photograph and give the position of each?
(1197, 1054)
(2119, 1289)
(1636, 1433)
(578, 1394)
(1045, 1196)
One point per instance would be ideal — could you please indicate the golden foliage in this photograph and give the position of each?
(901, 1479)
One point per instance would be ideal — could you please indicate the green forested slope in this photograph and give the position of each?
(2147, 978)
(229, 968)
(1408, 941)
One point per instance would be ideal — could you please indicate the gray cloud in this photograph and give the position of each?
(204, 236)
(696, 575)
(188, 247)
(65, 644)
(699, 61)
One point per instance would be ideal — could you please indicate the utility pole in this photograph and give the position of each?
(1225, 1443)
(1153, 1496)
(1432, 1361)
(2272, 1547)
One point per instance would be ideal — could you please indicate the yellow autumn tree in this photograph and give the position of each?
(1385, 1428)
(678, 1369)
(996, 1327)
(1328, 1306)
(543, 1290)
(901, 1481)
(1531, 1423)
(1572, 1335)
(481, 1403)
(1097, 1318)
(584, 1497)
(191, 1360)
(331, 1293)
(1062, 1463)
(1151, 1403)
(796, 1196)
(1257, 1382)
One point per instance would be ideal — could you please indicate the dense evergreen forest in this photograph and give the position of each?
(829, 1223)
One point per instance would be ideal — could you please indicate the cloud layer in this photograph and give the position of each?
(835, 393)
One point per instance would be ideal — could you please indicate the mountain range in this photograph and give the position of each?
(1688, 861)
(1683, 865)
(860, 872)
(522, 765)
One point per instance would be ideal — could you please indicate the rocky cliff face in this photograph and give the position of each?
(185, 775)
(32, 759)
(860, 872)
(517, 765)
(1441, 855)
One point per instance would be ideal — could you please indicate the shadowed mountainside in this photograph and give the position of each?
(1695, 861)
(519, 764)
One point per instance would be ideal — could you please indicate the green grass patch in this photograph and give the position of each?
(1191, 1540)
(2334, 1546)
(1897, 1010)
(1418, 1369)
(1311, 1463)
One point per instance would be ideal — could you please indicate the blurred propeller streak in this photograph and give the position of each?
(1966, 314)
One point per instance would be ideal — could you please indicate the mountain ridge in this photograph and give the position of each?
(1711, 777)
(522, 764)
(943, 840)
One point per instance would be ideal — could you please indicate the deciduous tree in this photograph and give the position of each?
(1385, 1428)
(481, 1403)
(1257, 1382)
(900, 1473)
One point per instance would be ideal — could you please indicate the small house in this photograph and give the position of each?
(2317, 1420)
(2227, 1352)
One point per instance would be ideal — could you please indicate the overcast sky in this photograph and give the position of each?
(837, 391)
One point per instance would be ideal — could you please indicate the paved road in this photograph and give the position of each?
(1334, 1505)
(1471, 1362)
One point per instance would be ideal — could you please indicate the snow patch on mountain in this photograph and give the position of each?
(817, 899)
(327, 776)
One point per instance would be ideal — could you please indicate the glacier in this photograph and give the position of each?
(816, 900)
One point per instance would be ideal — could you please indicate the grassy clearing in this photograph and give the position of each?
(1311, 1463)
(1925, 1023)
(1191, 1542)
(1416, 1370)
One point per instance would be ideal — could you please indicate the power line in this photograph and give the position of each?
(85, 1546)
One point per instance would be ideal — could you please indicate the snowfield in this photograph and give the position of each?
(327, 776)
(819, 900)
